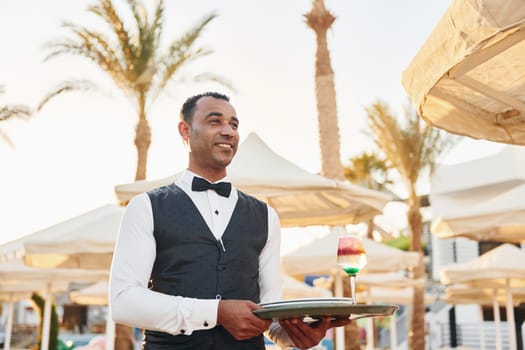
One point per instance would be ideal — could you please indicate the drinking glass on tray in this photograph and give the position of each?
(351, 257)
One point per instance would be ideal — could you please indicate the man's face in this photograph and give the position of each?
(212, 135)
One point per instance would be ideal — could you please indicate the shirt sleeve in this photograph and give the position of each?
(269, 261)
(131, 302)
(270, 281)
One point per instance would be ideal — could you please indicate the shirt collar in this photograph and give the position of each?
(188, 175)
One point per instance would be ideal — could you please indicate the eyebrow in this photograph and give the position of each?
(218, 114)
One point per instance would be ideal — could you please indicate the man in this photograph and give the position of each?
(193, 259)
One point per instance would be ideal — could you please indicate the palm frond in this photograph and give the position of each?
(12, 112)
(93, 46)
(140, 16)
(17, 111)
(143, 67)
(411, 146)
(6, 139)
(368, 168)
(105, 10)
(67, 86)
(386, 132)
(139, 13)
(158, 24)
(181, 50)
(211, 77)
(171, 65)
(186, 41)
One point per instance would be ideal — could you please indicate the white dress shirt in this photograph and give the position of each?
(132, 303)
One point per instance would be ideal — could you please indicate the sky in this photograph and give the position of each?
(68, 157)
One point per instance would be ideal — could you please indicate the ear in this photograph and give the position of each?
(184, 131)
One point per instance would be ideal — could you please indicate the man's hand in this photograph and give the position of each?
(306, 335)
(237, 318)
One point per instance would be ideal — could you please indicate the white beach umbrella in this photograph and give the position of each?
(14, 272)
(467, 294)
(500, 268)
(10, 298)
(392, 287)
(86, 241)
(320, 257)
(299, 197)
(293, 289)
(481, 199)
(469, 76)
(97, 294)
(12, 291)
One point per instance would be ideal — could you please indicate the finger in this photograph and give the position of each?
(260, 323)
(252, 306)
(292, 325)
(340, 322)
(325, 322)
(293, 332)
(311, 335)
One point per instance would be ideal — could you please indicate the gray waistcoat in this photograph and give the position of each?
(190, 262)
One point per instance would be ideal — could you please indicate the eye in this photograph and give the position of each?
(234, 125)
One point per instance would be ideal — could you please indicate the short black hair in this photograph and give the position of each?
(186, 112)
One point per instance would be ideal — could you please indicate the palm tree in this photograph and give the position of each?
(411, 148)
(371, 170)
(11, 112)
(320, 20)
(132, 56)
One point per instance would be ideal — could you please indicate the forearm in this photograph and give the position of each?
(143, 308)
(131, 302)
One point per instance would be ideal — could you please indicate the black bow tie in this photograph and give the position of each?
(222, 188)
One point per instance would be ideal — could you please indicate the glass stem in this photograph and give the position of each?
(352, 289)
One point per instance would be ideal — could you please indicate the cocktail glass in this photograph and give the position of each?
(351, 257)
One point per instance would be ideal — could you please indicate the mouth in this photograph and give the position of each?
(224, 145)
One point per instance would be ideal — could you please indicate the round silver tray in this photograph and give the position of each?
(318, 308)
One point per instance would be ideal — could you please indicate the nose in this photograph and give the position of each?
(227, 130)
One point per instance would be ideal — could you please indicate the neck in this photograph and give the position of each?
(211, 175)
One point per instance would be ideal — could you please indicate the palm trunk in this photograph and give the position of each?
(320, 20)
(142, 140)
(370, 229)
(416, 338)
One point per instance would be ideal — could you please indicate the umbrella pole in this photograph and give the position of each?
(110, 332)
(510, 317)
(369, 327)
(481, 328)
(46, 326)
(497, 319)
(339, 331)
(393, 331)
(370, 333)
(9, 325)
